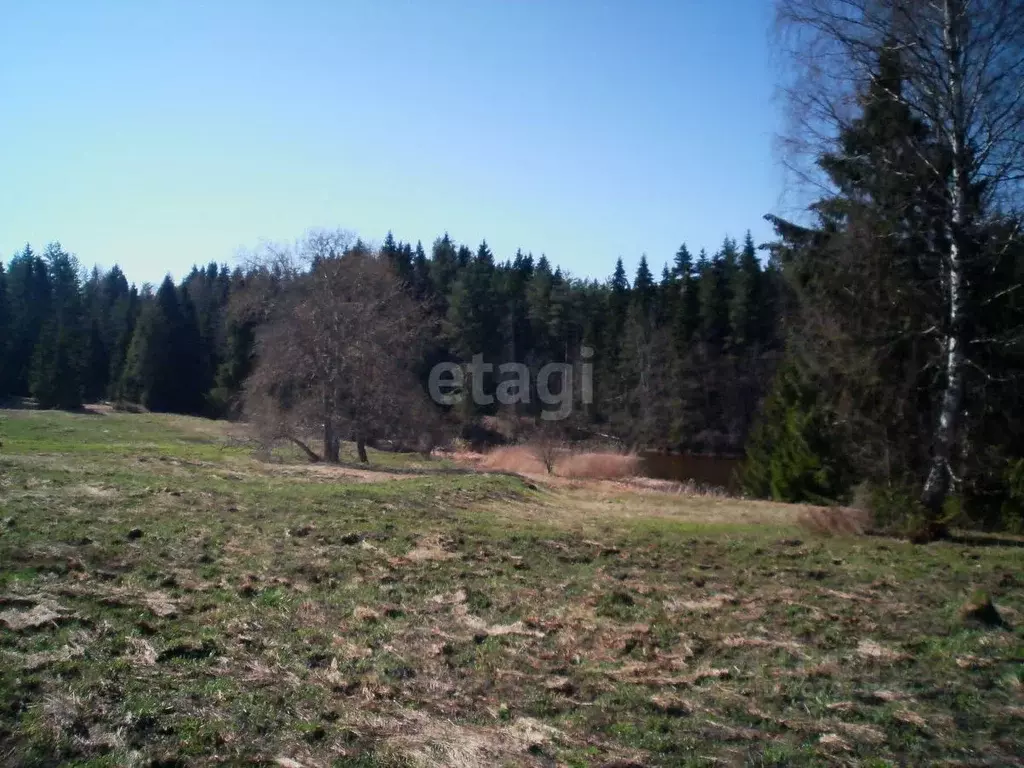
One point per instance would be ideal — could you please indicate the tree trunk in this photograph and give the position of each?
(305, 449)
(940, 474)
(332, 446)
(361, 450)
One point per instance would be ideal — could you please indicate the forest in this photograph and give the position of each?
(680, 361)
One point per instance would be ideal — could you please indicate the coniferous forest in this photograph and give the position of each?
(681, 360)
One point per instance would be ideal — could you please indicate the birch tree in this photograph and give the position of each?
(963, 74)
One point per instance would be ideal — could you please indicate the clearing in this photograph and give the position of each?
(167, 598)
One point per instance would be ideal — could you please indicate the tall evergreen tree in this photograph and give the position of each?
(687, 314)
(124, 314)
(399, 257)
(618, 299)
(5, 335)
(643, 287)
(746, 296)
(60, 358)
(471, 320)
(421, 273)
(444, 267)
(713, 299)
(867, 356)
(28, 292)
(159, 359)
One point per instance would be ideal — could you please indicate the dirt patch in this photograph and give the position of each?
(96, 492)
(334, 472)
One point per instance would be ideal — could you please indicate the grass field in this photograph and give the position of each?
(166, 598)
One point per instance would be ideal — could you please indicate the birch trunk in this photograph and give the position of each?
(940, 474)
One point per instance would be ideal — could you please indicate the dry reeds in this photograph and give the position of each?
(530, 460)
(603, 466)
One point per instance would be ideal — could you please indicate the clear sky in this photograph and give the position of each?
(159, 134)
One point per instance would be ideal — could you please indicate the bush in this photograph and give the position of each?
(794, 453)
(1012, 509)
(897, 509)
(993, 495)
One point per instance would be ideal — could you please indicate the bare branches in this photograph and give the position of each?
(963, 64)
(332, 353)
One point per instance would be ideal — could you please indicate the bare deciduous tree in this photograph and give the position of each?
(963, 67)
(547, 444)
(334, 352)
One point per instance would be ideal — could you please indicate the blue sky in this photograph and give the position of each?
(159, 134)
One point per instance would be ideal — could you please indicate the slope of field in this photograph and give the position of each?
(166, 598)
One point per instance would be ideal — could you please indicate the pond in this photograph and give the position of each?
(719, 471)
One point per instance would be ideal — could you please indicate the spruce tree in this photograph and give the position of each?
(159, 367)
(667, 297)
(538, 311)
(399, 257)
(60, 358)
(124, 314)
(643, 288)
(712, 300)
(866, 303)
(5, 336)
(746, 296)
(28, 293)
(194, 377)
(561, 329)
(422, 286)
(795, 453)
(686, 319)
(444, 267)
(618, 299)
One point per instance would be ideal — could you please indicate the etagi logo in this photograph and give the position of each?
(554, 385)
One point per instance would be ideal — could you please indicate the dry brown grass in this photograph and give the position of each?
(525, 460)
(835, 521)
(604, 466)
(516, 458)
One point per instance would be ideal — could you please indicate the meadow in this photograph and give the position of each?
(169, 595)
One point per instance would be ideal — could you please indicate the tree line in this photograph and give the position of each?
(679, 362)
